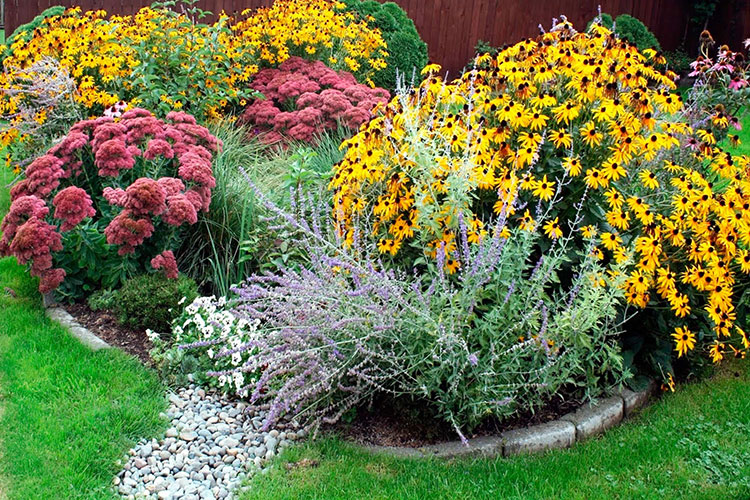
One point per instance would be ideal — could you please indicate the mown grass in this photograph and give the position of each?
(68, 414)
(692, 444)
(744, 147)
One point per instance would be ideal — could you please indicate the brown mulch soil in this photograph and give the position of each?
(104, 325)
(382, 425)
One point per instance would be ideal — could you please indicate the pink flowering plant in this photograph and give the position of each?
(721, 91)
(110, 200)
(304, 98)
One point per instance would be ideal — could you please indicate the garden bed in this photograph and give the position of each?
(384, 425)
(104, 324)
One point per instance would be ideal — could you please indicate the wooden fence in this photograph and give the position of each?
(452, 28)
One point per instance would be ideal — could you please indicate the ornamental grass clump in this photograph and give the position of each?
(302, 99)
(585, 113)
(498, 337)
(110, 198)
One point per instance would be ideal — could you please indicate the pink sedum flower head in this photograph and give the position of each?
(112, 157)
(167, 263)
(318, 98)
(195, 168)
(145, 196)
(72, 205)
(42, 177)
(171, 185)
(180, 211)
(158, 148)
(22, 209)
(35, 238)
(128, 231)
(115, 196)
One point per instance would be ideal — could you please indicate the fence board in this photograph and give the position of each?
(452, 28)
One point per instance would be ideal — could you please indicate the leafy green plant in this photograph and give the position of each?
(407, 53)
(102, 299)
(153, 301)
(631, 29)
(678, 60)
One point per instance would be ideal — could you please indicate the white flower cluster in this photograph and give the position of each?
(209, 319)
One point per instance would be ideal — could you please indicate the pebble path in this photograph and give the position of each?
(212, 445)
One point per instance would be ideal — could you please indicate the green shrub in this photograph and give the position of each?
(631, 29)
(678, 60)
(153, 301)
(102, 299)
(406, 50)
(636, 32)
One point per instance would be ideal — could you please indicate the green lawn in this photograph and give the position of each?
(692, 444)
(744, 147)
(68, 414)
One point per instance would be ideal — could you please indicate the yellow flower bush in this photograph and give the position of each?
(313, 29)
(584, 134)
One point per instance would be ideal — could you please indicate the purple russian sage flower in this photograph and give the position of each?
(473, 359)
(511, 289)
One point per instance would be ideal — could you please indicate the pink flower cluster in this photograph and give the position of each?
(72, 205)
(134, 143)
(167, 263)
(727, 62)
(319, 97)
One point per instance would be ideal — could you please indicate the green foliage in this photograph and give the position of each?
(407, 52)
(90, 262)
(483, 47)
(153, 301)
(632, 30)
(678, 60)
(102, 299)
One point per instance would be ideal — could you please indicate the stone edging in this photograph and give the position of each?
(83, 334)
(588, 421)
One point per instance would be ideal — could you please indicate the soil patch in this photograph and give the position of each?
(384, 425)
(104, 325)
